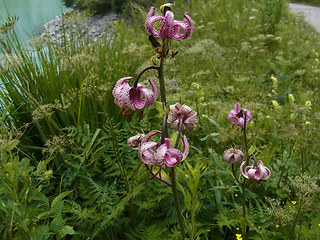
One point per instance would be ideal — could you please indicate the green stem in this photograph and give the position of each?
(295, 222)
(142, 72)
(234, 174)
(161, 74)
(177, 203)
(244, 227)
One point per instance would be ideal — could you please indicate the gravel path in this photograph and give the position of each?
(312, 14)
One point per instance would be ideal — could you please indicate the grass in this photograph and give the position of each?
(308, 2)
(64, 151)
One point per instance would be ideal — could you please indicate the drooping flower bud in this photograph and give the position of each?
(233, 155)
(185, 113)
(135, 141)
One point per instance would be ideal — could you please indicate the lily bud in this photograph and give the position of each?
(233, 155)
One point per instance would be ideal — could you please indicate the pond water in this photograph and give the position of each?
(32, 14)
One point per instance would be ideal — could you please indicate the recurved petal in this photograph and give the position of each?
(166, 29)
(150, 26)
(241, 169)
(173, 157)
(135, 141)
(150, 135)
(171, 118)
(237, 108)
(160, 154)
(251, 173)
(150, 95)
(122, 96)
(248, 115)
(191, 25)
(146, 152)
(175, 124)
(240, 122)
(117, 91)
(264, 171)
(136, 97)
(185, 147)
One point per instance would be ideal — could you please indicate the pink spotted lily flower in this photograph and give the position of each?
(134, 98)
(135, 141)
(257, 171)
(162, 154)
(169, 28)
(237, 116)
(233, 155)
(185, 113)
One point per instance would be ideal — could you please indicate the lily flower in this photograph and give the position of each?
(177, 112)
(162, 154)
(233, 155)
(237, 116)
(134, 98)
(257, 172)
(135, 141)
(169, 28)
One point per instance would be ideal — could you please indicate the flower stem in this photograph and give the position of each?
(163, 129)
(136, 81)
(244, 227)
(161, 74)
(158, 178)
(177, 203)
(292, 233)
(179, 133)
(235, 175)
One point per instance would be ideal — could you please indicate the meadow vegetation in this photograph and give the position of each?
(66, 170)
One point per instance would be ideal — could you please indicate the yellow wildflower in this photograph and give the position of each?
(275, 105)
(291, 98)
(277, 226)
(239, 236)
(294, 202)
(308, 105)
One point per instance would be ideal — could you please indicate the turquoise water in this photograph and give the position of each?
(32, 14)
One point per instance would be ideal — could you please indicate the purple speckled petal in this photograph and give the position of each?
(241, 169)
(146, 152)
(121, 93)
(150, 26)
(264, 171)
(150, 95)
(173, 157)
(185, 148)
(160, 155)
(150, 20)
(166, 29)
(136, 97)
(187, 28)
(150, 135)
(175, 124)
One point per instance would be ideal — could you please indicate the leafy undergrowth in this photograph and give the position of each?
(66, 170)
